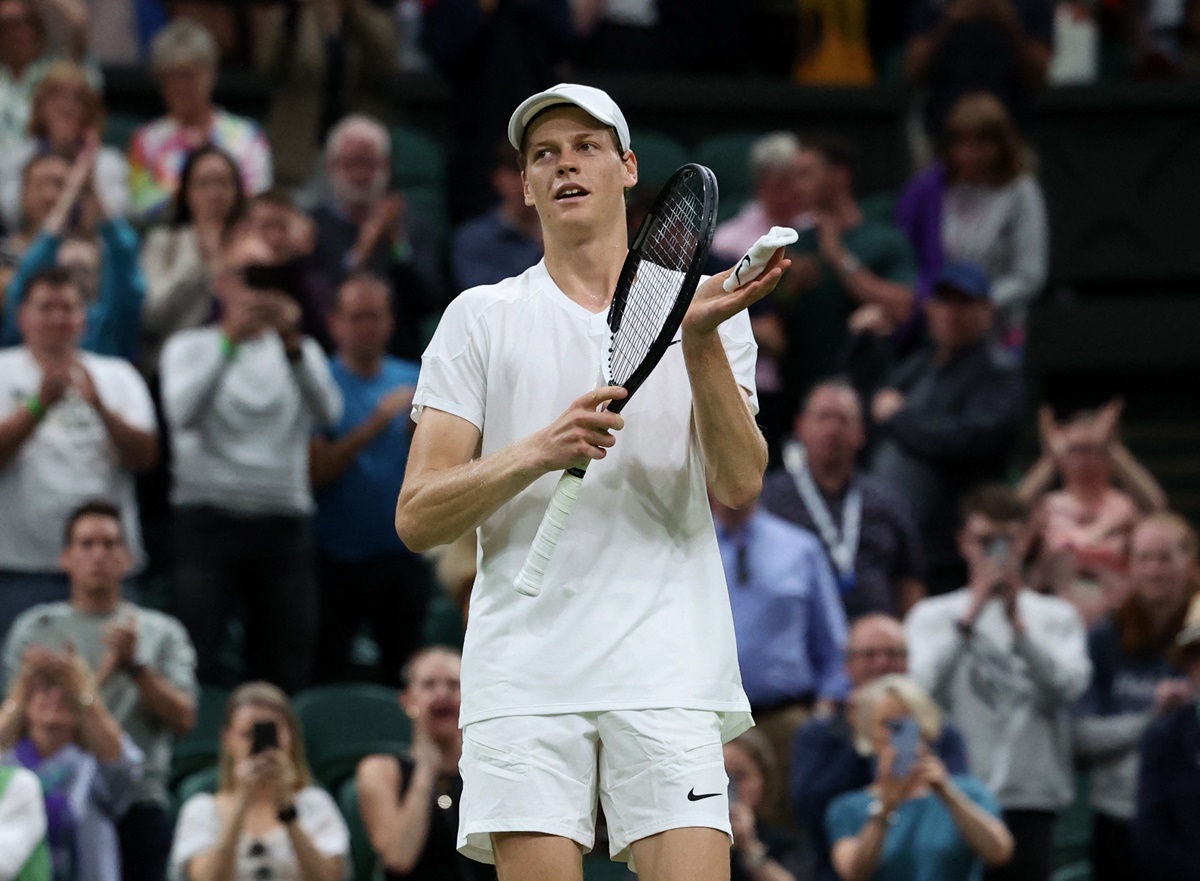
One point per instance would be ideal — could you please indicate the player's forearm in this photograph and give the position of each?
(735, 453)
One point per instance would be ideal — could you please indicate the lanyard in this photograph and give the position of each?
(843, 547)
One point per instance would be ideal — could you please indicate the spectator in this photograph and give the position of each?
(825, 763)
(367, 574)
(366, 227)
(980, 203)
(790, 627)
(779, 198)
(843, 268)
(410, 803)
(42, 181)
(1005, 664)
(504, 241)
(144, 667)
(961, 46)
(948, 417)
(267, 818)
(23, 852)
(1133, 681)
(100, 252)
(74, 426)
(1167, 810)
(867, 530)
(921, 824)
(67, 108)
(56, 724)
(761, 852)
(242, 399)
(184, 60)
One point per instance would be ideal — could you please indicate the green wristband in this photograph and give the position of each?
(228, 348)
(35, 406)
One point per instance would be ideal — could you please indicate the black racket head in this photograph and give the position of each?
(660, 276)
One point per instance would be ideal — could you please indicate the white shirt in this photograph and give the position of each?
(68, 460)
(22, 821)
(634, 611)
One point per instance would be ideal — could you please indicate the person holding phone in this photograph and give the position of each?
(761, 851)
(915, 821)
(267, 818)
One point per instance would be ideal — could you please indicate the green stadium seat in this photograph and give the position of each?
(427, 202)
(443, 621)
(200, 747)
(362, 856)
(658, 156)
(119, 129)
(1073, 831)
(728, 155)
(417, 159)
(880, 207)
(343, 723)
(205, 780)
(598, 867)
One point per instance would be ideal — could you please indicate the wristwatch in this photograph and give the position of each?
(287, 815)
(875, 811)
(86, 699)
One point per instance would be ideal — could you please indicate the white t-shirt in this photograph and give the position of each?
(22, 821)
(199, 827)
(634, 611)
(68, 460)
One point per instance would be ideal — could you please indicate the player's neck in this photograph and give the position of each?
(587, 271)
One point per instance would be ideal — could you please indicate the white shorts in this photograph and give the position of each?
(654, 770)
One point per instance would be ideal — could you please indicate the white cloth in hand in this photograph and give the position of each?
(755, 260)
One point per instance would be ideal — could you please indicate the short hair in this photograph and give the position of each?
(181, 42)
(367, 278)
(358, 124)
(983, 115)
(64, 75)
(428, 651)
(834, 149)
(276, 197)
(93, 508)
(49, 276)
(271, 698)
(834, 383)
(772, 151)
(909, 693)
(997, 502)
(181, 209)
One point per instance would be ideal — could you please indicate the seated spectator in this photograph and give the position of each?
(779, 198)
(267, 819)
(410, 803)
(100, 252)
(367, 574)
(867, 530)
(56, 724)
(242, 399)
(1167, 810)
(825, 763)
(364, 226)
(179, 260)
(23, 852)
(184, 60)
(948, 416)
(75, 426)
(42, 181)
(506, 240)
(791, 630)
(980, 203)
(760, 850)
(1133, 682)
(144, 667)
(919, 823)
(1006, 664)
(961, 46)
(66, 109)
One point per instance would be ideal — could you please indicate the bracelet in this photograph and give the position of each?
(875, 811)
(228, 348)
(86, 699)
(287, 815)
(35, 406)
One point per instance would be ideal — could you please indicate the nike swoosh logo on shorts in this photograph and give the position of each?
(693, 797)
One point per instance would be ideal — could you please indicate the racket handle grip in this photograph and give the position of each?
(529, 579)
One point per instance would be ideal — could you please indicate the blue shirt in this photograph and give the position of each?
(791, 630)
(924, 844)
(487, 249)
(356, 514)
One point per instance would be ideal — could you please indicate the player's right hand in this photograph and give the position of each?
(582, 432)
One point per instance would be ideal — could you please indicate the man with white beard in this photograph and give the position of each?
(363, 226)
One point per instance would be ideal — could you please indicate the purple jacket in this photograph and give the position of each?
(919, 216)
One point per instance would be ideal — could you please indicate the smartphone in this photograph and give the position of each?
(265, 737)
(906, 735)
(285, 277)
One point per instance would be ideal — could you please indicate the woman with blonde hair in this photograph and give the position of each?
(267, 818)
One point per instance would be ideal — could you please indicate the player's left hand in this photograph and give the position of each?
(712, 306)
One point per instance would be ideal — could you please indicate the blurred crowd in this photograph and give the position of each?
(211, 338)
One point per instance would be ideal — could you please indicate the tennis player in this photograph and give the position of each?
(620, 680)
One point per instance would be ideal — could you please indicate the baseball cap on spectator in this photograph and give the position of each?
(966, 279)
(593, 101)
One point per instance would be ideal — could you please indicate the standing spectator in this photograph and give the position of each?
(42, 181)
(23, 852)
(365, 226)
(981, 203)
(867, 530)
(56, 724)
(791, 630)
(948, 416)
(1133, 681)
(242, 399)
(67, 108)
(962, 46)
(184, 60)
(779, 198)
(1006, 664)
(267, 818)
(357, 467)
(506, 240)
(73, 426)
(144, 667)
(825, 763)
(761, 851)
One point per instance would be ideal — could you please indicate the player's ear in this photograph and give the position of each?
(525, 189)
(631, 169)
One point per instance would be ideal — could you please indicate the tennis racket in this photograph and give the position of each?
(653, 292)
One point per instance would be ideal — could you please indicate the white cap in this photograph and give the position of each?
(594, 101)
